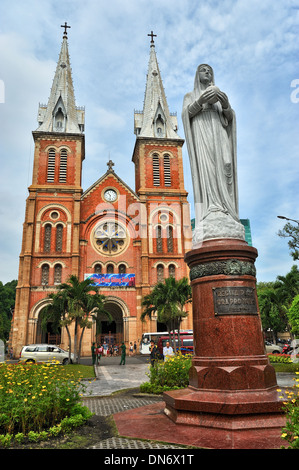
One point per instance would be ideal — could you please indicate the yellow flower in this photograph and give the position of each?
(25, 399)
(284, 434)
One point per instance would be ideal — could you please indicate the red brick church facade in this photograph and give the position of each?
(126, 240)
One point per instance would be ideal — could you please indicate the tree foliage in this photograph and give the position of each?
(276, 301)
(74, 303)
(168, 299)
(292, 232)
(7, 302)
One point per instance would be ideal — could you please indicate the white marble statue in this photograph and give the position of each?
(210, 131)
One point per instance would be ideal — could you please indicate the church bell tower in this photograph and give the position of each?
(50, 246)
(159, 183)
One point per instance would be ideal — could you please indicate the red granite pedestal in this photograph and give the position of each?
(232, 395)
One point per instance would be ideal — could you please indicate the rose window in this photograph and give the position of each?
(110, 238)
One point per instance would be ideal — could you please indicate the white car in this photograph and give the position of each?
(44, 353)
(272, 348)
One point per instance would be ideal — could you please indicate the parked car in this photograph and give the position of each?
(44, 353)
(272, 348)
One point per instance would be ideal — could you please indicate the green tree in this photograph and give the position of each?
(293, 316)
(168, 299)
(7, 302)
(291, 231)
(287, 286)
(272, 312)
(74, 302)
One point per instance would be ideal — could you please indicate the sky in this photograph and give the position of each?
(252, 46)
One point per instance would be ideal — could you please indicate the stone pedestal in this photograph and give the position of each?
(232, 386)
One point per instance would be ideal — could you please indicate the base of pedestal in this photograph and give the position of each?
(227, 420)
(232, 391)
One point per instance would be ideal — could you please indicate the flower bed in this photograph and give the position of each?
(36, 398)
(281, 358)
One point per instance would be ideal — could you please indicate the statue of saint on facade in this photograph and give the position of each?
(210, 131)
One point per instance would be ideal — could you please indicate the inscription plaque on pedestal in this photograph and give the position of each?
(234, 301)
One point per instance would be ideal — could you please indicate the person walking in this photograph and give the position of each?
(167, 351)
(93, 354)
(154, 354)
(123, 354)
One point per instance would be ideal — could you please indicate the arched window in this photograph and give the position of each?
(167, 175)
(57, 273)
(45, 274)
(160, 273)
(47, 239)
(59, 237)
(159, 239)
(63, 166)
(110, 269)
(171, 270)
(51, 166)
(169, 239)
(122, 269)
(156, 170)
(98, 269)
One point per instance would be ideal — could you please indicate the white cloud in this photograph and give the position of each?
(252, 46)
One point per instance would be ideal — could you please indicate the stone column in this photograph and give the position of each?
(232, 394)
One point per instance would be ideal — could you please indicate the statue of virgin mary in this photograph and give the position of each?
(210, 131)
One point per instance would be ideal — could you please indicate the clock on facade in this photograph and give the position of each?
(110, 195)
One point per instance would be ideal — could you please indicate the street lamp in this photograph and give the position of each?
(286, 218)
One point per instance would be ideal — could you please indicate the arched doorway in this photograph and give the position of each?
(48, 336)
(111, 332)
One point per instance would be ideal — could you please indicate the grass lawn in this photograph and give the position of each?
(290, 367)
(85, 372)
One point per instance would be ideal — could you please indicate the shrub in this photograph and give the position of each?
(291, 406)
(169, 375)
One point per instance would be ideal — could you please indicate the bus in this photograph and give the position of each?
(145, 342)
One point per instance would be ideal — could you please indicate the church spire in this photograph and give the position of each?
(61, 113)
(155, 119)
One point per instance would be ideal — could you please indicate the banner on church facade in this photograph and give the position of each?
(112, 280)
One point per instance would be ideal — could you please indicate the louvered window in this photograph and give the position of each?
(47, 239)
(156, 170)
(57, 273)
(159, 239)
(59, 237)
(171, 270)
(63, 166)
(169, 239)
(45, 274)
(51, 166)
(160, 273)
(167, 175)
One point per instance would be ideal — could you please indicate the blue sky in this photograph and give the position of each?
(252, 47)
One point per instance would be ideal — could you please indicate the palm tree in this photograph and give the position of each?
(74, 302)
(168, 299)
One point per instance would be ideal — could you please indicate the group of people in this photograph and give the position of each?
(156, 355)
(99, 350)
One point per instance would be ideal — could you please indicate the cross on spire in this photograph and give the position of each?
(65, 26)
(152, 35)
(110, 164)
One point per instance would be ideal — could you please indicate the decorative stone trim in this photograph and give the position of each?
(228, 268)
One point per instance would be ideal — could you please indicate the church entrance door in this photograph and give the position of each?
(112, 332)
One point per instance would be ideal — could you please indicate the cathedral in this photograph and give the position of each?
(126, 240)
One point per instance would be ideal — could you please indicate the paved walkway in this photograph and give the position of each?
(112, 377)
